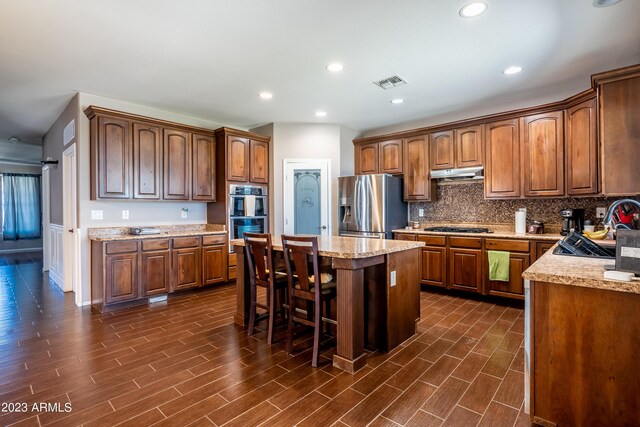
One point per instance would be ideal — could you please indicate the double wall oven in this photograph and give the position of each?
(248, 210)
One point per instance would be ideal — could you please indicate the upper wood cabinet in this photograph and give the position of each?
(581, 149)
(442, 150)
(417, 185)
(366, 158)
(147, 161)
(620, 133)
(247, 156)
(502, 159)
(135, 157)
(237, 158)
(177, 160)
(543, 154)
(390, 156)
(258, 162)
(468, 146)
(111, 158)
(203, 178)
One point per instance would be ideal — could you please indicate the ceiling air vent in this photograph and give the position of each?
(389, 82)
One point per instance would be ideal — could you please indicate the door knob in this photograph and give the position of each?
(324, 227)
(71, 230)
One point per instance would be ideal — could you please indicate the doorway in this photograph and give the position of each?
(69, 222)
(307, 195)
(46, 218)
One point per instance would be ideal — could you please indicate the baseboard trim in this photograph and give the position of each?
(15, 251)
(57, 279)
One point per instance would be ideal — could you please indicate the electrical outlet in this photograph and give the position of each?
(97, 214)
(601, 212)
(420, 212)
(184, 213)
(393, 278)
(125, 214)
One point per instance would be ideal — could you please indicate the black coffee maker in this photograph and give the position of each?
(572, 220)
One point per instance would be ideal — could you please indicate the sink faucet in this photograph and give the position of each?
(608, 217)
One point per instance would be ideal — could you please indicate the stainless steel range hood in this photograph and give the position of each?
(460, 173)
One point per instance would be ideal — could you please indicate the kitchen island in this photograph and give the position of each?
(583, 346)
(378, 293)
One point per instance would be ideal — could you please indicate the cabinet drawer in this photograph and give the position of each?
(231, 260)
(404, 236)
(507, 245)
(465, 242)
(186, 242)
(231, 273)
(432, 240)
(213, 240)
(155, 245)
(121, 247)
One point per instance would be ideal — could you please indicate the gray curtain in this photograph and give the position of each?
(21, 213)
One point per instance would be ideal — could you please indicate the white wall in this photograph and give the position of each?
(140, 213)
(347, 156)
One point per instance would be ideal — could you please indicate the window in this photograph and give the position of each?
(21, 213)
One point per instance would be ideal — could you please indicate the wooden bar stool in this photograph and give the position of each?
(262, 273)
(303, 277)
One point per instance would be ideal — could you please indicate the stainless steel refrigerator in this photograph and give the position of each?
(370, 206)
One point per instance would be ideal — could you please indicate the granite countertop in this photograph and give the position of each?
(576, 271)
(350, 247)
(497, 234)
(107, 234)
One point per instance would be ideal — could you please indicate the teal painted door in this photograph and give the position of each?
(307, 202)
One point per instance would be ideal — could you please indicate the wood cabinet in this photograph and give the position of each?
(237, 158)
(468, 146)
(619, 134)
(111, 158)
(581, 149)
(404, 236)
(434, 266)
(543, 154)
(542, 248)
(366, 158)
(259, 162)
(465, 269)
(390, 157)
(519, 261)
(129, 271)
(417, 184)
(502, 159)
(203, 180)
(177, 158)
(147, 161)
(135, 157)
(442, 150)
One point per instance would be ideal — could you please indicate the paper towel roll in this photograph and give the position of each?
(521, 222)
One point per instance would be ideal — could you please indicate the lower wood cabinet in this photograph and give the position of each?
(465, 269)
(121, 273)
(132, 270)
(514, 288)
(434, 266)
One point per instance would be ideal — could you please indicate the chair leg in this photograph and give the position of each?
(316, 334)
(327, 314)
(252, 310)
(290, 327)
(271, 294)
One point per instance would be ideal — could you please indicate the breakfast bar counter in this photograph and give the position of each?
(378, 293)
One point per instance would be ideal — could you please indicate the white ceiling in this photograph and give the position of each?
(211, 58)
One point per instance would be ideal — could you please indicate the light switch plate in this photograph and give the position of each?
(97, 215)
(420, 212)
(125, 214)
(184, 213)
(393, 278)
(601, 212)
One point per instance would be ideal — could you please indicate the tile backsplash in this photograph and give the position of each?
(464, 202)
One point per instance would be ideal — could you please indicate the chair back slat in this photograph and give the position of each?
(259, 257)
(297, 251)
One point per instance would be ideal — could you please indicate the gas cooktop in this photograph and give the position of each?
(458, 229)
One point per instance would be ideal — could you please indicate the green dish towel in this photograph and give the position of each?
(498, 265)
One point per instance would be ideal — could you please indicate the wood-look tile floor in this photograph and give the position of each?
(185, 363)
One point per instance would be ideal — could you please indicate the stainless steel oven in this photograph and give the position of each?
(248, 210)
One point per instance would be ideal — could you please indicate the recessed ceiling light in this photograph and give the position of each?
(335, 67)
(605, 3)
(397, 101)
(473, 9)
(321, 114)
(514, 69)
(266, 95)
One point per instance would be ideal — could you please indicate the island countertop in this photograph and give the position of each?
(108, 234)
(351, 247)
(576, 271)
